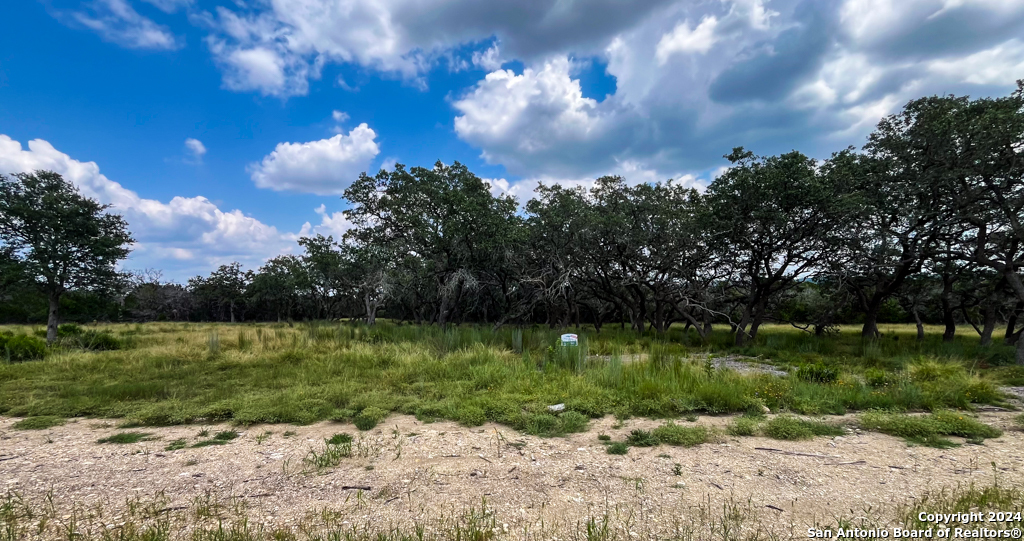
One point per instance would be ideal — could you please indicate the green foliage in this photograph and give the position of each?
(21, 347)
(817, 373)
(790, 428)
(686, 436)
(40, 422)
(743, 426)
(928, 429)
(38, 207)
(338, 439)
(369, 417)
(126, 437)
(180, 443)
(226, 435)
(99, 341)
(168, 378)
(617, 448)
(641, 438)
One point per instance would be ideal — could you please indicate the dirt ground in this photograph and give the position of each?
(404, 471)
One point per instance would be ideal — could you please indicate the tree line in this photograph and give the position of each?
(924, 223)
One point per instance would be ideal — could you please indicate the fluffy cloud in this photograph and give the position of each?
(188, 234)
(278, 46)
(324, 167)
(116, 21)
(333, 224)
(804, 74)
(692, 79)
(196, 149)
(683, 39)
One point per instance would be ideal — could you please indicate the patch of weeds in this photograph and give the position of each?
(203, 433)
(317, 460)
(264, 436)
(208, 443)
(691, 417)
(817, 373)
(604, 437)
(289, 433)
(677, 470)
(176, 444)
(791, 428)
(1019, 421)
(191, 462)
(369, 417)
(742, 426)
(966, 498)
(126, 437)
(226, 435)
(686, 436)
(368, 467)
(40, 422)
(338, 439)
(572, 421)
(641, 438)
(930, 429)
(617, 448)
(663, 455)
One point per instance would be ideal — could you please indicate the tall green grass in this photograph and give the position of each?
(181, 373)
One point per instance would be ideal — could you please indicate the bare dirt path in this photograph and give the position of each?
(409, 471)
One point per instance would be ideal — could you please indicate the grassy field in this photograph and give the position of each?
(174, 373)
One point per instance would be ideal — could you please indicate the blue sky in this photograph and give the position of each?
(225, 130)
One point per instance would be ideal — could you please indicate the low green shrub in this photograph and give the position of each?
(369, 417)
(22, 347)
(617, 448)
(180, 443)
(928, 429)
(686, 436)
(338, 439)
(572, 421)
(100, 341)
(791, 428)
(817, 373)
(40, 422)
(68, 329)
(126, 437)
(641, 438)
(742, 426)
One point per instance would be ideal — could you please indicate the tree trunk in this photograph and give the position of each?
(1011, 324)
(1019, 357)
(741, 329)
(870, 329)
(53, 318)
(989, 324)
(232, 310)
(947, 310)
(920, 324)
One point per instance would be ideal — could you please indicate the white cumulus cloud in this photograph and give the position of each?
(185, 233)
(324, 167)
(683, 39)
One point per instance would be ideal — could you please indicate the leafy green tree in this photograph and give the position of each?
(442, 225)
(275, 286)
(777, 219)
(984, 157)
(63, 240)
(224, 288)
(909, 202)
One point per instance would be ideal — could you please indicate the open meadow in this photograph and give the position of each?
(343, 431)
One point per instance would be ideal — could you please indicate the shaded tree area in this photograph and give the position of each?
(924, 225)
